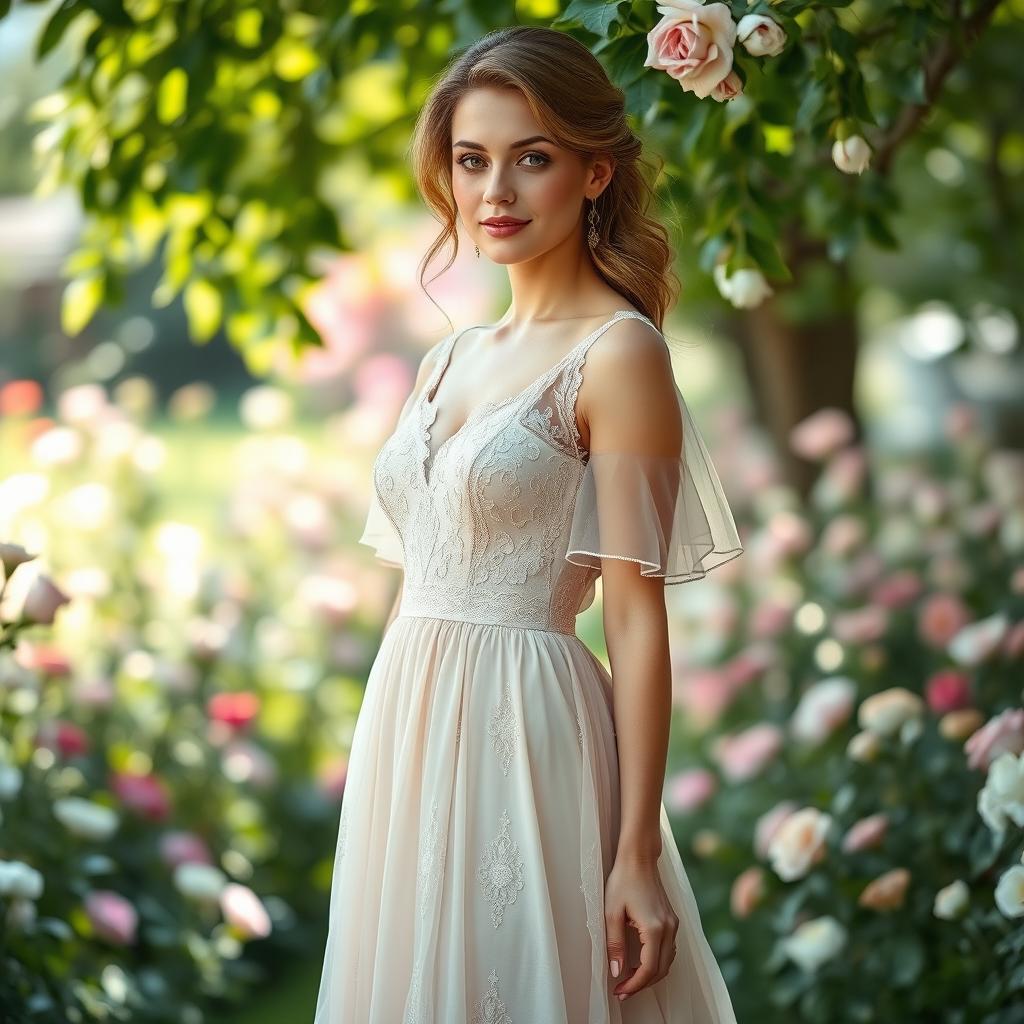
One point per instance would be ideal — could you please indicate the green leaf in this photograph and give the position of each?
(769, 257)
(57, 26)
(80, 301)
(594, 15)
(204, 308)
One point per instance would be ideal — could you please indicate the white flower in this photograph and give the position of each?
(760, 35)
(815, 942)
(951, 901)
(20, 880)
(851, 155)
(86, 819)
(1010, 891)
(10, 781)
(863, 747)
(884, 713)
(201, 882)
(979, 641)
(799, 843)
(744, 289)
(822, 709)
(1002, 796)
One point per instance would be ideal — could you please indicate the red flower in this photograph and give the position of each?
(948, 691)
(145, 794)
(64, 738)
(235, 709)
(20, 398)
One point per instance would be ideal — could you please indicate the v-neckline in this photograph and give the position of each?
(427, 404)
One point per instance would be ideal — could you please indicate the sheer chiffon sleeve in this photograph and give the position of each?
(380, 534)
(667, 513)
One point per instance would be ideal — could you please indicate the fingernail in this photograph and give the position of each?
(615, 968)
(622, 995)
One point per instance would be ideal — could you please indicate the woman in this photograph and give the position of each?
(504, 855)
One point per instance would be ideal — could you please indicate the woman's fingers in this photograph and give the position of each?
(615, 927)
(656, 952)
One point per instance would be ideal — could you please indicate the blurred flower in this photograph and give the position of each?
(143, 793)
(851, 155)
(799, 843)
(182, 847)
(842, 479)
(236, 709)
(244, 911)
(789, 533)
(951, 901)
(10, 780)
(42, 658)
(112, 917)
(1004, 732)
(191, 402)
(958, 725)
(135, 395)
(822, 709)
(860, 625)
(264, 407)
(745, 289)
(56, 446)
(887, 891)
(1002, 796)
(948, 691)
(885, 712)
(87, 507)
(770, 617)
(979, 641)
(20, 397)
(760, 35)
(18, 879)
(43, 599)
(897, 589)
(84, 818)
(866, 833)
(95, 693)
(21, 914)
(940, 618)
(1010, 891)
(82, 404)
(703, 695)
(843, 534)
(1013, 646)
(745, 754)
(819, 435)
(747, 891)
(768, 824)
(814, 942)
(13, 555)
(245, 761)
(690, 789)
(200, 882)
(63, 737)
(707, 842)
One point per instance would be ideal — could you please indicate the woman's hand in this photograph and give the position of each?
(635, 898)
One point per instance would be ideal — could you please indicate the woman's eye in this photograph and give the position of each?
(468, 156)
(464, 160)
(540, 156)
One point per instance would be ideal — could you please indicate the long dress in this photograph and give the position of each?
(481, 807)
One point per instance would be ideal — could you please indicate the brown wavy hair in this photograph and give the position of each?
(575, 103)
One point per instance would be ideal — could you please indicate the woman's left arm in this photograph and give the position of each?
(629, 404)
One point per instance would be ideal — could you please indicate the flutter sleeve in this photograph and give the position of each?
(668, 513)
(380, 534)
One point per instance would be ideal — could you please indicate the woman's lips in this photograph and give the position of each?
(503, 230)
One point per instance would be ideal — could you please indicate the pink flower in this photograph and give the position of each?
(180, 847)
(745, 754)
(843, 534)
(20, 397)
(244, 911)
(236, 709)
(47, 660)
(941, 617)
(703, 696)
(866, 833)
(747, 891)
(861, 625)
(760, 35)
(728, 88)
(64, 738)
(823, 708)
(768, 824)
(789, 533)
(13, 555)
(948, 691)
(980, 640)
(770, 617)
(821, 434)
(112, 917)
(690, 789)
(1003, 733)
(43, 599)
(144, 794)
(693, 44)
(897, 589)
(887, 891)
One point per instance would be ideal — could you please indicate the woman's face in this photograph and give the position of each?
(503, 166)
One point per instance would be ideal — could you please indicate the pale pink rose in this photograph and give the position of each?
(112, 917)
(745, 754)
(940, 618)
(897, 589)
(43, 599)
(747, 892)
(948, 691)
(143, 793)
(748, 665)
(799, 843)
(979, 641)
(760, 35)
(244, 911)
(886, 712)
(13, 555)
(958, 725)
(843, 534)
(822, 709)
(689, 789)
(789, 533)
(851, 155)
(866, 833)
(768, 824)
(180, 847)
(887, 891)
(860, 625)
(1004, 732)
(693, 44)
(728, 88)
(819, 435)
(703, 696)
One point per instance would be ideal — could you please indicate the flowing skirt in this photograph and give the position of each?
(478, 825)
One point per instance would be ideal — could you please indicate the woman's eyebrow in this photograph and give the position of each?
(515, 145)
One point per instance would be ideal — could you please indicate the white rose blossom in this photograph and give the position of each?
(760, 35)
(951, 901)
(851, 155)
(815, 942)
(1010, 892)
(1002, 797)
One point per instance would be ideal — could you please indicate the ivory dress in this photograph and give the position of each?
(480, 814)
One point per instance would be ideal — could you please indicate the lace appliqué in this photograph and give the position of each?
(414, 1009)
(591, 888)
(501, 871)
(504, 730)
(490, 1009)
(343, 831)
(431, 861)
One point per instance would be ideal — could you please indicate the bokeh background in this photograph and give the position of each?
(210, 314)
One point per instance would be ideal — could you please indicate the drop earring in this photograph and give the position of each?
(477, 247)
(592, 236)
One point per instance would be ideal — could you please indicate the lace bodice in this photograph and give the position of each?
(508, 520)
